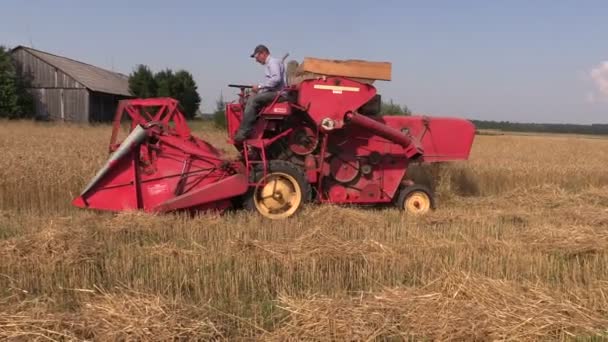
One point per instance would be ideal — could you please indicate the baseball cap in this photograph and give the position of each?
(259, 48)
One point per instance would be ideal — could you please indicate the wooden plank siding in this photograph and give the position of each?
(68, 90)
(57, 95)
(103, 106)
(62, 104)
(42, 74)
(48, 102)
(76, 103)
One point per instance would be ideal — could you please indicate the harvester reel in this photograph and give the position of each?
(280, 193)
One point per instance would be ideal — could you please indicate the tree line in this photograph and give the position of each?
(180, 85)
(596, 129)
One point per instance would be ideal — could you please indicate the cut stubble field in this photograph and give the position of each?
(517, 250)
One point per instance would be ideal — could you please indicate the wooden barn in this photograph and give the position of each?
(69, 90)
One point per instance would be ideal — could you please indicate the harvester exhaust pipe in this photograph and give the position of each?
(412, 148)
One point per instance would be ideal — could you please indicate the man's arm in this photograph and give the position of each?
(274, 79)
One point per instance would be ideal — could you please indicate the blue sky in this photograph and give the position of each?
(526, 61)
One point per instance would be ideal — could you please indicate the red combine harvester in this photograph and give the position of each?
(322, 140)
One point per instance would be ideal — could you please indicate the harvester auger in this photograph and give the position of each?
(320, 140)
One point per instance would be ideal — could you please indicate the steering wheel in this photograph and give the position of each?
(243, 94)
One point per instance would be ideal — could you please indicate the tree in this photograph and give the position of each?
(391, 108)
(142, 83)
(165, 83)
(25, 101)
(15, 101)
(8, 88)
(184, 89)
(180, 86)
(219, 115)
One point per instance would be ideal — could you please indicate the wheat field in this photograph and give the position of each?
(517, 250)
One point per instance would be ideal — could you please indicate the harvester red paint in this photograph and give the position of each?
(321, 140)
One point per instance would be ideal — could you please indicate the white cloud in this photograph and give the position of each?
(599, 75)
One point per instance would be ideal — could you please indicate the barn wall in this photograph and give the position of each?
(42, 74)
(62, 104)
(57, 95)
(76, 105)
(103, 106)
(60, 97)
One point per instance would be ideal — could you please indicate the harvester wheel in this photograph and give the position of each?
(416, 199)
(283, 193)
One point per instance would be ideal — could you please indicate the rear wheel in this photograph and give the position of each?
(280, 193)
(416, 200)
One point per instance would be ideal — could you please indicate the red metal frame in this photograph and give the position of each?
(164, 111)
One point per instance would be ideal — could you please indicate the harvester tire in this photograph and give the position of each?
(285, 192)
(416, 200)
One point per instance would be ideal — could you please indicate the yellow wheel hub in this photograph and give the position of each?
(417, 203)
(278, 197)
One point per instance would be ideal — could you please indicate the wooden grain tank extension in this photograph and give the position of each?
(355, 69)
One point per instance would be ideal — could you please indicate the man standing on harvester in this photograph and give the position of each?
(264, 92)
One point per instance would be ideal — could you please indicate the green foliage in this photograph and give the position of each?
(390, 108)
(25, 102)
(142, 83)
(8, 88)
(179, 85)
(165, 83)
(185, 91)
(219, 115)
(15, 101)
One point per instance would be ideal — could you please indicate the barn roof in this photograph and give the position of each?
(90, 76)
